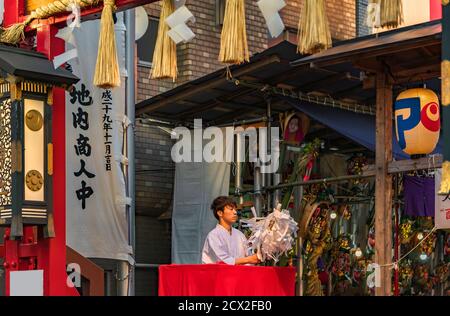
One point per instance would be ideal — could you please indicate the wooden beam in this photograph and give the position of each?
(383, 183)
(148, 108)
(408, 165)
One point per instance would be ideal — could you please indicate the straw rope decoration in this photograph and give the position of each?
(313, 29)
(165, 55)
(14, 33)
(391, 13)
(107, 68)
(107, 73)
(233, 40)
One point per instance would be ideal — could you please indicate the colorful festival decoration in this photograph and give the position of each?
(296, 126)
(417, 121)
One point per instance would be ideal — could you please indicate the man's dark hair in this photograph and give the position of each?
(220, 203)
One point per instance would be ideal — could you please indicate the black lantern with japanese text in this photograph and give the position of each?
(27, 80)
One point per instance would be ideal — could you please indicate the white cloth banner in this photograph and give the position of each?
(197, 184)
(442, 205)
(95, 126)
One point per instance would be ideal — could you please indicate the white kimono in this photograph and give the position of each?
(220, 245)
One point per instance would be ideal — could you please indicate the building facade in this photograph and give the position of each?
(154, 168)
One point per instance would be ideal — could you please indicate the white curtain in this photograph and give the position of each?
(197, 184)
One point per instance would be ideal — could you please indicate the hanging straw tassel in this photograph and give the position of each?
(165, 55)
(107, 73)
(233, 41)
(391, 13)
(313, 30)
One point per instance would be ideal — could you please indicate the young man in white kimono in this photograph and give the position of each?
(225, 243)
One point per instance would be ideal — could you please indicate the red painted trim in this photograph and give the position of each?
(435, 9)
(12, 17)
(14, 9)
(2, 251)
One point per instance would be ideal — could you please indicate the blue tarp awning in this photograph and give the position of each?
(358, 127)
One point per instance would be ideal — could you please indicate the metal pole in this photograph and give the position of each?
(299, 266)
(131, 102)
(257, 188)
(238, 175)
(276, 193)
(328, 180)
(268, 176)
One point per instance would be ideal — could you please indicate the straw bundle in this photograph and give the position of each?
(391, 13)
(107, 73)
(313, 29)
(233, 41)
(165, 55)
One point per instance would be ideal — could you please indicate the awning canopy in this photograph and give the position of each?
(27, 65)
(344, 73)
(378, 44)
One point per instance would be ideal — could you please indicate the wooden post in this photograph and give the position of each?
(383, 186)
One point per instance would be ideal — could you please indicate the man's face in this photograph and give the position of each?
(229, 214)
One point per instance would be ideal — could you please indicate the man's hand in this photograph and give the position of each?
(248, 260)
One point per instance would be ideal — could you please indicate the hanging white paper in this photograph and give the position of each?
(373, 15)
(66, 34)
(179, 31)
(270, 11)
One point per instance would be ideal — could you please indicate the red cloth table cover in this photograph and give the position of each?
(225, 280)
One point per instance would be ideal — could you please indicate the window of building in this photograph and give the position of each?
(220, 11)
(146, 44)
(361, 15)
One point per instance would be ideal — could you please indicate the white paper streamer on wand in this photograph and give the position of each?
(272, 236)
(179, 31)
(73, 21)
(270, 11)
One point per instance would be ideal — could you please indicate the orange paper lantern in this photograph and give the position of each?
(417, 121)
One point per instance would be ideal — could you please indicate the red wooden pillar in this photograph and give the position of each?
(52, 251)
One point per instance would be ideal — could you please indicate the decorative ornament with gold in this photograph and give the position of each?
(355, 166)
(309, 153)
(421, 275)
(318, 240)
(360, 269)
(428, 245)
(443, 272)
(344, 211)
(406, 274)
(406, 231)
(340, 256)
